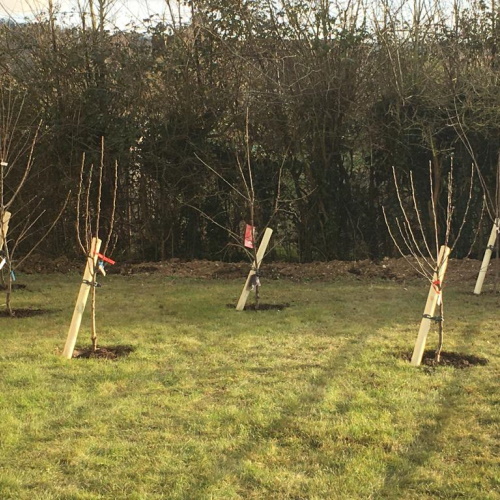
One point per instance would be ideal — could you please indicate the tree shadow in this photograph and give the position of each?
(313, 395)
(400, 471)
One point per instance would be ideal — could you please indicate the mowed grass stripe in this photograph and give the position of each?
(315, 401)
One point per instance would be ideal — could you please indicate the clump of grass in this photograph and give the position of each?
(314, 401)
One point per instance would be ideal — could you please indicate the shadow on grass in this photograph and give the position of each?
(312, 396)
(401, 469)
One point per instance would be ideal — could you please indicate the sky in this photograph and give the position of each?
(122, 11)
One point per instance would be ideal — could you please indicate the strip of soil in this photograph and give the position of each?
(398, 269)
(262, 307)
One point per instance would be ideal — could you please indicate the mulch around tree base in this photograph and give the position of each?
(24, 313)
(15, 286)
(454, 359)
(110, 352)
(262, 307)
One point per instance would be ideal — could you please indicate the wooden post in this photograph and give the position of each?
(260, 255)
(430, 306)
(5, 228)
(487, 257)
(81, 301)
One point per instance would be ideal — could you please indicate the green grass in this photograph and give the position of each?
(312, 402)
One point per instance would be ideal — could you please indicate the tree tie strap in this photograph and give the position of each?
(92, 283)
(254, 281)
(437, 319)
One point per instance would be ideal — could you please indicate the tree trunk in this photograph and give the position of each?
(8, 295)
(92, 313)
(437, 357)
(497, 252)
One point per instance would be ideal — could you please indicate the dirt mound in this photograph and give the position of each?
(110, 352)
(451, 359)
(40, 264)
(388, 269)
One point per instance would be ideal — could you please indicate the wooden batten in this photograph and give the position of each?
(487, 257)
(5, 228)
(81, 301)
(256, 265)
(430, 306)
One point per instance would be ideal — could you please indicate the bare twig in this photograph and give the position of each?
(92, 223)
(428, 265)
(49, 230)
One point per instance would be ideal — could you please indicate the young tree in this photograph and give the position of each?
(89, 227)
(89, 230)
(22, 203)
(252, 210)
(426, 249)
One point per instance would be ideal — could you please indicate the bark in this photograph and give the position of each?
(437, 357)
(92, 312)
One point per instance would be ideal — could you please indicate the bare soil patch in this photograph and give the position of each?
(41, 264)
(110, 352)
(262, 307)
(24, 313)
(400, 269)
(453, 359)
(15, 286)
(388, 269)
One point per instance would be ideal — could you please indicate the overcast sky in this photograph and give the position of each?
(122, 12)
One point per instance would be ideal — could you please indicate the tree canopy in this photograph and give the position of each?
(328, 97)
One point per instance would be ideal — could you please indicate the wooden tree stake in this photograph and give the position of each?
(5, 228)
(81, 301)
(487, 257)
(256, 265)
(430, 306)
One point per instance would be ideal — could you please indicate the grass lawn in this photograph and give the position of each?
(312, 402)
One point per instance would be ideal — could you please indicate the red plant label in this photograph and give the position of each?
(249, 236)
(106, 259)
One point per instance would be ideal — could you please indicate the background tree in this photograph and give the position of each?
(22, 199)
(341, 92)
